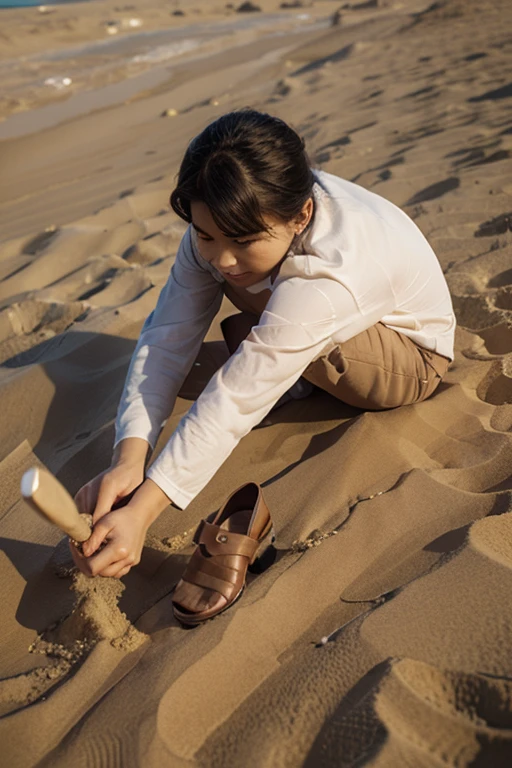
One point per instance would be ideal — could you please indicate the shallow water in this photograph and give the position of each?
(136, 62)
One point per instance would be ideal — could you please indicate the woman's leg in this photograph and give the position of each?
(236, 328)
(378, 369)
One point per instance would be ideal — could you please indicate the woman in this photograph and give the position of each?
(337, 286)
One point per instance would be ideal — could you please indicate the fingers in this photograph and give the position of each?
(107, 495)
(79, 560)
(116, 570)
(98, 496)
(110, 560)
(97, 537)
(89, 567)
(109, 490)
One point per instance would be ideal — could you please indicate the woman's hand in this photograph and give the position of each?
(123, 530)
(98, 496)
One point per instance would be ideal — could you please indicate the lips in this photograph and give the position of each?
(235, 276)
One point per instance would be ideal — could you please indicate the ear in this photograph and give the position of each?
(305, 215)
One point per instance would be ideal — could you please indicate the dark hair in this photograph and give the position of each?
(242, 166)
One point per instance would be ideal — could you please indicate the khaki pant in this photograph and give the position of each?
(377, 369)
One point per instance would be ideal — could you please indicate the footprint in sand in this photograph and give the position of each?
(477, 274)
(384, 168)
(475, 312)
(490, 342)
(496, 226)
(503, 298)
(434, 190)
(332, 150)
(465, 711)
(340, 55)
(476, 56)
(498, 93)
(496, 386)
(407, 712)
(40, 241)
(480, 158)
(468, 157)
(283, 88)
(501, 279)
(426, 91)
(25, 324)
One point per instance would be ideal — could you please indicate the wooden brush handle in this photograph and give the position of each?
(48, 496)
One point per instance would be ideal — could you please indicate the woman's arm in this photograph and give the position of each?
(131, 450)
(168, 345)
(298, 324)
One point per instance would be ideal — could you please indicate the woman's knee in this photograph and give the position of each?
(378, 374)
(236, 328)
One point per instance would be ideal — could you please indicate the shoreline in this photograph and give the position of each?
(125, 88)
(46, 57)
(84, 172)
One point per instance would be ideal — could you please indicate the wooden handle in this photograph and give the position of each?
(47, 496)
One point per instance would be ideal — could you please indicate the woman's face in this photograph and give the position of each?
(244, 261)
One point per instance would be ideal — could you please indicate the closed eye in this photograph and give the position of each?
(238, 242)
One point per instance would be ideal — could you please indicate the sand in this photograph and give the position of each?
(380, 635)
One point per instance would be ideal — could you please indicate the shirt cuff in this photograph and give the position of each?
(178, 497)
(134, 433)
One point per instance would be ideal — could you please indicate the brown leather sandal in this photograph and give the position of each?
(233, 542)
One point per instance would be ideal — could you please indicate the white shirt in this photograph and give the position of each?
(362, 261)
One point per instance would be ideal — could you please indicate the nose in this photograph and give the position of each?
(224, 259)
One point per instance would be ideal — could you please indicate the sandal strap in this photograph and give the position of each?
(208, 566)
(219, 541)
(202, 572)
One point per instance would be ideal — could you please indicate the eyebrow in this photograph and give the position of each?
(202, 231)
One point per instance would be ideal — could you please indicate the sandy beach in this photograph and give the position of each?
(380, 635)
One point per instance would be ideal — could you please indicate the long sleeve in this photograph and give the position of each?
(168, 344)
(296, 327)
(363, 261)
